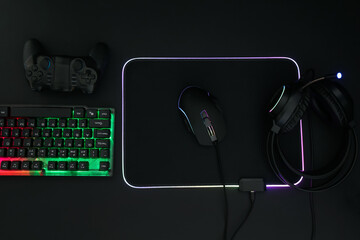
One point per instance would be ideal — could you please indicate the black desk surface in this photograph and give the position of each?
(323, 35)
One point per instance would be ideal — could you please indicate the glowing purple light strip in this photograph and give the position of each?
(198, 58)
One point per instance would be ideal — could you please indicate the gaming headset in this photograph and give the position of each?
(288, 106)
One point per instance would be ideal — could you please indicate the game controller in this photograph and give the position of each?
(63, 73)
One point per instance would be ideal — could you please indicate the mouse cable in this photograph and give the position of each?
(252, 203)
(221, 175)
(250, 185)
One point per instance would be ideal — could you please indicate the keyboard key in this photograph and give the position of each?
(2, 152)
(99, 123)
(37, 142)
(52, 165)
(48, 142)
(89, 143)
(63, 153)
(67, 133)
(83, 123)
(104, 153)
(87, 133)
(79, 143)
(73, 153)
(2, 122)
(91, 113)
(11, 122)
(77, 133)
(41, 122)
(72, 165)
(36, 132)
(27, 142)
(16, 132)
(7, 142)
(25, 165)
(59, 142)
(102, 143)
(62, 123)
(4, 111)
(52, 153)
(104, 113)
(36, 165)
(102, 133)
(47, 133)
(72, 123)
(83, 165)
(52, 123)
(5, 165)
(69, 143)
(84, 153)
(31, 122)
(21, 122)
(62, 165)
(6, 132)
(31, 152)
(11, 152)
(79, 112)
(42, 152)
(26, 132)
(57, 133)
(17, 142)
(22, 152)
(104, 166)
(15, 165)
(94, 153)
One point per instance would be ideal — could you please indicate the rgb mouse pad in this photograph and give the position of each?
(159, 151)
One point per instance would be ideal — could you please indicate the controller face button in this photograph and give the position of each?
(40, 74)
(78, 65)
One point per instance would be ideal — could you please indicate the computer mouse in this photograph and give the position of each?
(203, 115)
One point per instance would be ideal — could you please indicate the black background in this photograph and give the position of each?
(319, 34)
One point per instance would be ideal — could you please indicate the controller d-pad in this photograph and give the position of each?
(78, 65)
(29, 73)
(39, 74)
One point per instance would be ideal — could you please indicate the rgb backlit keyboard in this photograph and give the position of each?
(56, 141)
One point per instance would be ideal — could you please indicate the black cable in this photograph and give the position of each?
(221, 175)
(323, 175)
(311, 195)
(252, 202)
(327, 185)
(313, 216)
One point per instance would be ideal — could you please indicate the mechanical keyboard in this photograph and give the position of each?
(56, 141)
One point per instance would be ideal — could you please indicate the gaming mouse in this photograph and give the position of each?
(203, 115)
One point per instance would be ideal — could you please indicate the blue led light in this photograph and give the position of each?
(339, 75)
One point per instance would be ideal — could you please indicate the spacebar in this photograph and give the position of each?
(57, 112)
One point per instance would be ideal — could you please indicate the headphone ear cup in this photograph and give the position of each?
(328, 104)
(297, 113)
